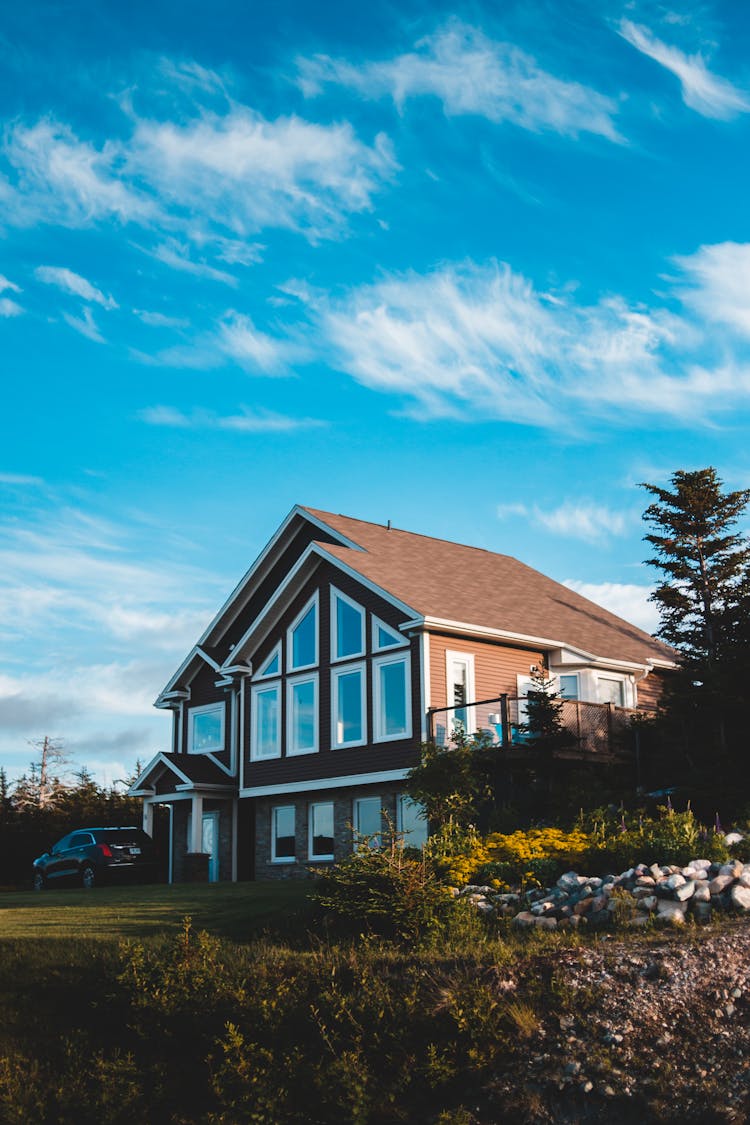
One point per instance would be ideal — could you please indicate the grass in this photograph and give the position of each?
(235, 911)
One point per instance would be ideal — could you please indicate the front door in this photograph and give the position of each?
(210, 844)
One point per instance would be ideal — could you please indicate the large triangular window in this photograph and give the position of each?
(302, 638)
(271, 665)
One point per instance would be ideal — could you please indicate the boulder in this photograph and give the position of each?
(671, 913)
(741, 897)
(701, 892)
(720, 883)
(682, 894)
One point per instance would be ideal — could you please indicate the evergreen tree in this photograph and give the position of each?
(702, 599)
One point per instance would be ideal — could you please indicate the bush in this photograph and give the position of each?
(391, 891)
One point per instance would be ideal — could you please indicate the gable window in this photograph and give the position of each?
(321, 830)
(282, 834)
(367, 813)
(271, 666)
(265, 725)
(348, 706)
(347, 627)
(302, 715)
(411, 822)
(302, 638)
(206, 729)
(392, 697)
(383, 636)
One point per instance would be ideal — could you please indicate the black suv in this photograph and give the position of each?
(97, 855)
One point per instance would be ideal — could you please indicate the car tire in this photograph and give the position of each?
(39, 882)
(88, 877)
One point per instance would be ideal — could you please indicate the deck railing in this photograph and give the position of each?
(596, 729)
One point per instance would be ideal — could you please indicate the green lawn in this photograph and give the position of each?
(237, 911)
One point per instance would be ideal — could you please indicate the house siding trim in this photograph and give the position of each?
(325, 783)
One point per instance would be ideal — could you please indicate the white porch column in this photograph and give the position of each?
(196, 824)
(148, 817)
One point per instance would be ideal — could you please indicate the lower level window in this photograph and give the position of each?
(367, 821)
(412, 822)
(282, 834)
(321, 831)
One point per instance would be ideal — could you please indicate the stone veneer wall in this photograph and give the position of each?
(343, 817)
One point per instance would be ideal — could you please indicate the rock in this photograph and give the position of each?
(671, 913)
(702, 911)
(524, 920)
(582, 905)
(682, 894)
(485, 907)
(640, 919)
(570, 881)
(735, 869)
(744, 880)
(645, 881)
(733, 838)
(650, 904)
(543, 923)
(741, 897)
(675, 881)
(701, 892)
(720, 883)
(700, 864)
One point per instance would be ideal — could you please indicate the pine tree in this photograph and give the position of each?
(702, 601)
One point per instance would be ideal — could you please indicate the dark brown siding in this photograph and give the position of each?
(650, 690)
(496, 666)
(203, 690)
(327, 762)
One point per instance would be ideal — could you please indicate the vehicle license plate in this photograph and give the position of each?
(135, 851)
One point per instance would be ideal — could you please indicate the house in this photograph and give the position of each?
(300, 711)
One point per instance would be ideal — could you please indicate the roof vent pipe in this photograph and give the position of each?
(388, 526)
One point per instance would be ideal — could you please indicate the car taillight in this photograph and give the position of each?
(105, 850)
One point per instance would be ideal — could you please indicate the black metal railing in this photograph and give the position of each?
(597, 729)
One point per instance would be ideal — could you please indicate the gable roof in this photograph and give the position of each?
(454, 583)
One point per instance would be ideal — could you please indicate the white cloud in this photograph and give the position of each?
(73, 283)
(86, 325)
(706, 93)
(160, 320)
(235, 339)
(627, 600)
(719, 278)
(587, 520)
(6, 284)
(472, 74)
(9, 308)
(479, 342)
(178, 257)
(247, 421)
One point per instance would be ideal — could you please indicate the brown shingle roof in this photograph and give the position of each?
(447, 580)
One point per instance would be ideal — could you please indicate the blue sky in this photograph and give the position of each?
(477, 269)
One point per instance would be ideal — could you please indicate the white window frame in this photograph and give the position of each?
(338, 595)
(255, 691)
(291, 683)
(275, 651)
(403, 642)
(467, 659)
(378, 726)
(612, 677)
(577, 678)
(336, 673)
(283, 858)
(290, 666)
(358, 833)
(400, 819)
(221, 709)
(311, 822)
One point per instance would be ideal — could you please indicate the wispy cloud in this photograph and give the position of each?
(9, 308)
(246, 421)
(178, 257)
(718, 283)
(6, 284)
(86, 325)
(234, 340)
(160, 320)
(627, 600)
(22, 479)
(73, 283)
(706, 93)
(583, 519)
(472, 74)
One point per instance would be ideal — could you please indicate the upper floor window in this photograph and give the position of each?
(206, 728)
(302, 715)
(265, 727)
(459, 670)
(383, 636)
(391, 693)
(348, 706)
(271, 666)
(302, 637)
(347, 627)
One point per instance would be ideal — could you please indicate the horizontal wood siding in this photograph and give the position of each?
(203, 690)
(650, 690)
(327, 762)
(496, 666)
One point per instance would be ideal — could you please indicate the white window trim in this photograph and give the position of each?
(403, 642)
(275, 651)
(282, 858)
(311, 818)
(558, 685)
(304, 678)
(255, 691)
(401, 797)
(392, 657)
(204, 710)
(338, 594)
(466, 658)
(336, 673)
(358, 833)
(314, 600)
(625, 688)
